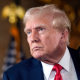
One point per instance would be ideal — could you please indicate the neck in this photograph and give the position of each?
(53, 59)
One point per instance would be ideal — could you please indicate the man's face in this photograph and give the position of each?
(43, 39)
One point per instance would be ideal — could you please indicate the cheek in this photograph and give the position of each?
(47, 41)
(51, 41)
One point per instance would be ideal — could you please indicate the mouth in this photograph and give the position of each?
(36, 48)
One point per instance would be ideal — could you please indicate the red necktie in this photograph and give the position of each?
(57, 68)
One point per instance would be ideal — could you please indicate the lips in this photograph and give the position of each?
(36, 48)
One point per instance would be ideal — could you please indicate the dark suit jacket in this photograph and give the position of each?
(31, 69)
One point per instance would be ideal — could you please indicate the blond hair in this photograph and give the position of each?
(60, 19)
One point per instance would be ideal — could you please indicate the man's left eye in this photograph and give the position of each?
(41, 29)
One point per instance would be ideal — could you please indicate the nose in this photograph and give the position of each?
(34, 37)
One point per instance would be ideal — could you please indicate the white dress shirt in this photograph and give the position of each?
(68, 72)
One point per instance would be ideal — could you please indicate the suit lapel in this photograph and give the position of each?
(36, 72)
(76, 61)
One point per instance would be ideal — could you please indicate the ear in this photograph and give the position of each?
(65, 35)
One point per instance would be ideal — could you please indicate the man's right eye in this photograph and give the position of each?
(28, 32)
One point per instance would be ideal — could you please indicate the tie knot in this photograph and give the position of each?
(57, 68)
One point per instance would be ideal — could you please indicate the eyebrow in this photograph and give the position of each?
(37, 26)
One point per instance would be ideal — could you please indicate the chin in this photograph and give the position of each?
(37, 56)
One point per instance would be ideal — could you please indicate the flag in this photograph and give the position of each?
(14, 53)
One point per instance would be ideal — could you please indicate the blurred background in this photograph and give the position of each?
(13, 44)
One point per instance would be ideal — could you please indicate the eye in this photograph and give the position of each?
(28, 33)
(40, 29)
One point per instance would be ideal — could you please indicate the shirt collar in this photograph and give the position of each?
(65, 61)
(47, 68)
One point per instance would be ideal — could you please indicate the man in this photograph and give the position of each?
(47, 29)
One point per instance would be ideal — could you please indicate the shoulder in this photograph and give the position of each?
(23, 66)
(75, 51)
(74, 54)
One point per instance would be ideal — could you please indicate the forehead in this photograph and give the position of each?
(35, 21)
